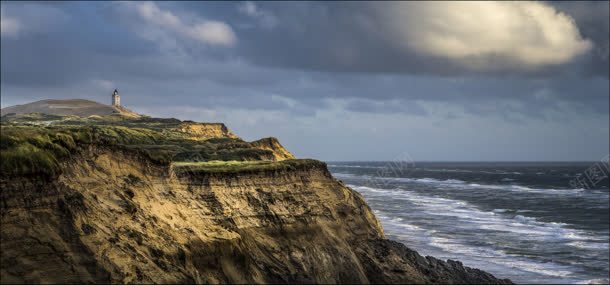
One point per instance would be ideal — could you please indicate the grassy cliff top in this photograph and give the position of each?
(36, 144)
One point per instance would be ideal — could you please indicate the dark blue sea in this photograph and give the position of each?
(527, 221)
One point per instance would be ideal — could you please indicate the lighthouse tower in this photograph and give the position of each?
(116, 99)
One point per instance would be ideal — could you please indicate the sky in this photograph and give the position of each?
(435, 81)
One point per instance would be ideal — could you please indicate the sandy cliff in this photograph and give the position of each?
(272, 144)
(202, 131)
(114, 216)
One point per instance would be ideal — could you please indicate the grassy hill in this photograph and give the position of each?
(71, 107)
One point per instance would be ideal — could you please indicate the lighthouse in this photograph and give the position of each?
(116, 99)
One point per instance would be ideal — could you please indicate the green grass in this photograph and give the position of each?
(27, 159)
(31, 117)
(27, 150)
(31, 149)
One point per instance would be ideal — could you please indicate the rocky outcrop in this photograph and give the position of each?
(279, 152)
(113, 216)
(387, 261)
(202, 131)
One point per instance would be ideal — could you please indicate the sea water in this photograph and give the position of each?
(523, 221)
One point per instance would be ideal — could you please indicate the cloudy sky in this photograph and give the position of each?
(334, 80)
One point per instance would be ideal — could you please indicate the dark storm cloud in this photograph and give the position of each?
(361, 105)
(312, 52)
(355, 37)
(70, 44)
(332, 37)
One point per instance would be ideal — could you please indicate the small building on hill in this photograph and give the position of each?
(116, 99)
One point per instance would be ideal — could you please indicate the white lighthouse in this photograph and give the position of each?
(116, 99)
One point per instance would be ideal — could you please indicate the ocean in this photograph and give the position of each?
(532, 222)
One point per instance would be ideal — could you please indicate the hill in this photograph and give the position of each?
(70, 107)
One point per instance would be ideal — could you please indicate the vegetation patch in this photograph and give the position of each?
(30, 148)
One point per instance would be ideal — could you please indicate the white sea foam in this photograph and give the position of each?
(490, 220)
(595, 281)
(344, 175)
(516, 228)
(499, 172)
(447, 170)
(356, 166)
(501, 258)
(399, 227)
(463, 185)
(589, 245)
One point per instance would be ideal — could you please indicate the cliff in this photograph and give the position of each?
(113, 216)
(141, 202)
(202, 131)
(273, 145)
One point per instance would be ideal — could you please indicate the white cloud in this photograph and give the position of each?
(204, 31)
(213, 32)
(264, 17)
(104, 84)
(9, 26)
(484, 35)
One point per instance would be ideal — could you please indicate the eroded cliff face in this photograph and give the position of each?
(273, 144)
(115, 217)
(202, 131)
